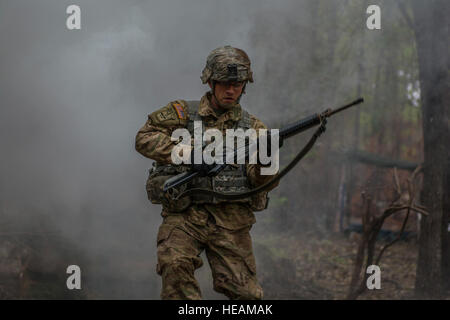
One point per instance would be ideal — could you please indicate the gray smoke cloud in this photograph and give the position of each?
(72, 102)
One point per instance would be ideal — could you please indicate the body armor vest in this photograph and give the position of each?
(232, 179)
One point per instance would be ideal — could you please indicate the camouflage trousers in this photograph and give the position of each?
(229, 253)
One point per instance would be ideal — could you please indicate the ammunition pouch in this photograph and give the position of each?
(158, 175)
(230, 180)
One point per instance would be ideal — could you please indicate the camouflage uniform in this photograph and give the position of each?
(221, 229)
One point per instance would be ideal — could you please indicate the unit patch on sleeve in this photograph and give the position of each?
(180, 111)
(165, 115)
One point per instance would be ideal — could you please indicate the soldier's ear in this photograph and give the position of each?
(209, 84)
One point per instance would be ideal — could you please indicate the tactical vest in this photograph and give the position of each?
(233, 178)
(230, 180)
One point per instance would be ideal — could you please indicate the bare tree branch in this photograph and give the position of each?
(372, 225)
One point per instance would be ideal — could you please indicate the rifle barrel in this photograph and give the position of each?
(311, 121)
(358, 101)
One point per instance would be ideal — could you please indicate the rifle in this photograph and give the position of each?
(284, 133)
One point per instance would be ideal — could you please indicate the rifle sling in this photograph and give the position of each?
(252, 192)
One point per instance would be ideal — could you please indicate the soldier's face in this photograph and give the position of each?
(227, 93)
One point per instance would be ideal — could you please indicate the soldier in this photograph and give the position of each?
(196, 223)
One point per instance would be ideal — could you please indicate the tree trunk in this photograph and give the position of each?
(446, 240)
(432, 34)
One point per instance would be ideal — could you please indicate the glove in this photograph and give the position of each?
(202, 168)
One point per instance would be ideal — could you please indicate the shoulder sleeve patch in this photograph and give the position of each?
(172, 115)
(180, 111)
(163, 115)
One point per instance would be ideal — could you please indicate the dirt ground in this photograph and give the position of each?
(312, 268)
(294, 267)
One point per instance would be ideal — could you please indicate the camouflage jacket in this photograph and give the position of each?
(153, 141)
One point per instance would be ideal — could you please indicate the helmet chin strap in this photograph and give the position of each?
(243, 92)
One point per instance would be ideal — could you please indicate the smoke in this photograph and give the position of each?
(72, 102)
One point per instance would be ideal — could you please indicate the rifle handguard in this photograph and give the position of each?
(299, 126)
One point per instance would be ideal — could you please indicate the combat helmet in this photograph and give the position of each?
(227, 64)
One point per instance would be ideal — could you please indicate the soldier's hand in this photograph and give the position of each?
(202, 168)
